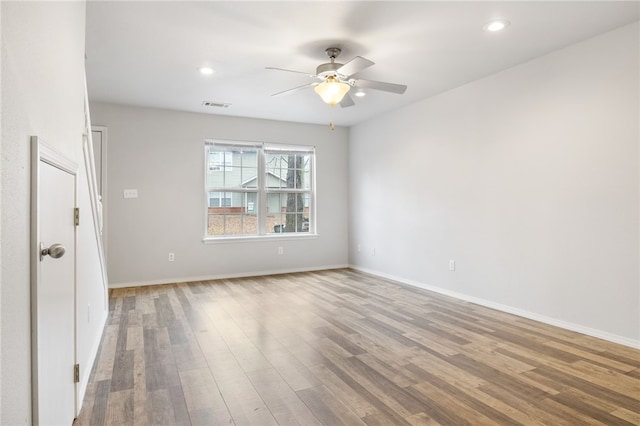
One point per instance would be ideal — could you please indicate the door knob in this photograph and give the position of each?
(56, 251)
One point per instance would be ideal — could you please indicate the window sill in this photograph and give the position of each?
(254, 238)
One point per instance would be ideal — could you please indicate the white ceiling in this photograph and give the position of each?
(148, 53)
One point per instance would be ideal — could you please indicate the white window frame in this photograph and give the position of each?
(262, 191)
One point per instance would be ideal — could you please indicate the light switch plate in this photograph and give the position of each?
(130, 193)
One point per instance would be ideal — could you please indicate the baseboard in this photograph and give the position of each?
(509, 309)
(224, 276)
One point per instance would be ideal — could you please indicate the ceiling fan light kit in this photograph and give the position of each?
(331, 90)
(336, 80)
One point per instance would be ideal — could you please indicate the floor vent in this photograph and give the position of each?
(215, 104)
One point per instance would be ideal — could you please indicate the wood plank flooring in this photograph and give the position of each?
(342, 347)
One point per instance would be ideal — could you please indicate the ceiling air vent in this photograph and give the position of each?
(215, 104)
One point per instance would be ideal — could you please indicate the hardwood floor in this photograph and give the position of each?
(342, 347)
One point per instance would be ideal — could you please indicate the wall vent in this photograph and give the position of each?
(215, 104)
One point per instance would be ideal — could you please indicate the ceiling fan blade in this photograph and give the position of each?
(347, 101)
(286, 92)
(379, 85)
(282, 69)
(354, 66)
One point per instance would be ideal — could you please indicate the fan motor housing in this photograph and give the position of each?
(330, 68)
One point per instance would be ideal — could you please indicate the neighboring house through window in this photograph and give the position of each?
(255, 189)
(219, 199)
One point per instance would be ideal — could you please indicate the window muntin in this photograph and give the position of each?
(260, 191)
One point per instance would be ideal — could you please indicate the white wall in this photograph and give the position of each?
(528, 179)
(43, 95)
(161, 154)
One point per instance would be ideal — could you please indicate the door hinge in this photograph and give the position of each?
(76, 216)
(76, 373)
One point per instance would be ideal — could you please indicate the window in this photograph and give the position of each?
(258, 189)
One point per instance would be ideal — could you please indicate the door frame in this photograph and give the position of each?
(42, 152)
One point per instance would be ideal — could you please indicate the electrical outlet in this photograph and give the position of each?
(452, 265)
(358, 248)
(172, 257)
(280, 250)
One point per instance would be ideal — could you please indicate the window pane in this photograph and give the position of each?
(215, 224)
(232, 213)
(296, 202)
(276, 220)
(297, 223)
(232, 167)
(220, 199)
(241, 224)
(274, 181)
(219, 160)
(305, 182)
(249, 177)
(274, 204)
(276, 170)
(276, 223)
(288, 170)
(289, 212)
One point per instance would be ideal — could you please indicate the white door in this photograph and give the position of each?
(53, 290)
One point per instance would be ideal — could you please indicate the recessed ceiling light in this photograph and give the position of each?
(496, 25)
(206, 70)
(360, 94)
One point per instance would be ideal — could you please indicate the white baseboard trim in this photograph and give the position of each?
(510, 310)
(224, 276)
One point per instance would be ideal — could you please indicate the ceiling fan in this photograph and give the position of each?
(335, 80)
